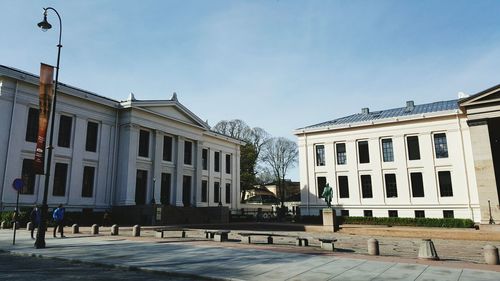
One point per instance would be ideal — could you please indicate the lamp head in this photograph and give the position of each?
(44, 25)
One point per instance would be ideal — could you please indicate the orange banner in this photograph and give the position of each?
(46, 93)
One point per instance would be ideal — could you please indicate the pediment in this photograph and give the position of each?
(491, 95)
(177, 112)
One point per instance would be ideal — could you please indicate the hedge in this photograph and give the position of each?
(426, 222)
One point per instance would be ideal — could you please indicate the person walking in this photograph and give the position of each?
(58, 217)
(35, 218)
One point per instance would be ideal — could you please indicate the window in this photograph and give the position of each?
(341, 154)
(387, 151)
(60, 175)
(364, 154)
(393, 213)
(445, 187)
(343, 187)
(448, 214)
(321, 185)
(216, 192)
(413, 148)
(88, 181)
(228, 193)
(64, 136)
(419, 213)
(32, 126)
(167, 148)
(391, 189)
(366, 186)
(28, 176)
(417, 185)
(204, 189)
(228, 163)
(143, 143)
(440, 145)
(188, 153)
(216, 161)
(368, 213)
(204, 159)
(320, 155)
(92, 131)
(344, 213)
(165, 188)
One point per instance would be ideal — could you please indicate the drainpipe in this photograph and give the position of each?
(307, 174)
(115, 161)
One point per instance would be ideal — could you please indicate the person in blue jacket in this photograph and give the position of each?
(35, 219)
(58, 217)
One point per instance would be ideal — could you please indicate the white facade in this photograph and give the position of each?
(108, 165)
(421, 187)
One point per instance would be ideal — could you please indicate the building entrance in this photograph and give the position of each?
(494, 131)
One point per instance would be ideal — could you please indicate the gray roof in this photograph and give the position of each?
(390, 113)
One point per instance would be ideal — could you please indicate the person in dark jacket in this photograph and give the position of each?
(35, 218)
(58, 217)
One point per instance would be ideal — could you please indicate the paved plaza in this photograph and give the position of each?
(196, 258)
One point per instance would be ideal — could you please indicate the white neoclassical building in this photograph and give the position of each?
(429, 160)
(110, 153)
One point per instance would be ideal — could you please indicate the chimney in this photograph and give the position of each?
(410, 105)
(365, 110)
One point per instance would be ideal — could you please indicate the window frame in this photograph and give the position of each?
(167, 153)
(413, 151)
(387, 151)
(414, 191)
(64, 182)
(343, 190)
(144, 152)
(445, 191)
(440, 146)
(362, 157)
(32, 124)
(319, 150)
(217, 161)
(393, 190)
(341, 155)
(29, 177)
(320, 188)
(204, 191)
(85, 189)
(64, 139)
(204, 158)
(94, 143)
(188, 154)
(366, 190)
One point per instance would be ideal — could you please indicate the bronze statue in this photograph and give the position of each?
(327, 195)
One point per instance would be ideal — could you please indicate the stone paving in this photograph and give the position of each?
(233, 261)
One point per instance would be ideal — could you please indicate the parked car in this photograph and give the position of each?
(263, 199)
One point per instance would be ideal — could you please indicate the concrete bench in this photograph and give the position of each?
(327, 243)
(247, 237)
(160, 232)
(302, 241)
(217, 235)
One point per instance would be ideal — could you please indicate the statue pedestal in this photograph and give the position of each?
(329, 223)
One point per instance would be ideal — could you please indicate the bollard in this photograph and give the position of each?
(29, 225)
(136, 230)
(114, 229)
(95, 229)
(491, 254)
(427, 250)
(3, 224)
(75, 229)
(373, 248)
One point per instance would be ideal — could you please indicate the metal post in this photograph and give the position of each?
(42, 226)
(492, 221)
(15, 221)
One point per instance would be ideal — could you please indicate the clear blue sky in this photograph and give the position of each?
(276, 64)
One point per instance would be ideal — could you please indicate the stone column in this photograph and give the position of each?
(196, 184)
(157, 156)
(179, 172)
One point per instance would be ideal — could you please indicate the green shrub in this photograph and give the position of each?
(425, 222)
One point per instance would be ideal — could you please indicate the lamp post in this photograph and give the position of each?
(42, 226)
(153, 203)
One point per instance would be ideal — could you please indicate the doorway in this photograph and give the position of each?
(494, 131)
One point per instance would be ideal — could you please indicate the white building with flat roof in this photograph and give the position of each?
(430, 160)
(113, 153)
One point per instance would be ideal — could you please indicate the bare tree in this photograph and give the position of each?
(281, 155)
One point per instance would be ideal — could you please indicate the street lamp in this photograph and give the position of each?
(42, 226)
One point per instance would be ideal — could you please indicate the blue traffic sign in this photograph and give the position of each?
(18, 184)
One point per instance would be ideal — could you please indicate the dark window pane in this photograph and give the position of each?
(366, 186)
(364, 154)
(413, 148)
(64, 137)
(216, 192)
(32, 125)
(228, 164)
(445, 187)
(320, 155)
(204, 190)
(216, 161)
(448, 214)
(440, 145)
(188, 153)
(143, 143)
(60, 176)
(141, 182)
(204, 159)
(419, 213)
(393, 213)
(341, 154)
(165, 188)
(28, 176)
(368, 213)
(417, 185)
(387, 150)
(344, 213)
(92, 130)
(321, 185)
(390, 185)
(186, 191)
(88, 181)
(343, 187)
(228, 193)
(167, 148)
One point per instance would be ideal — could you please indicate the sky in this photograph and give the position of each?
(276, 64)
